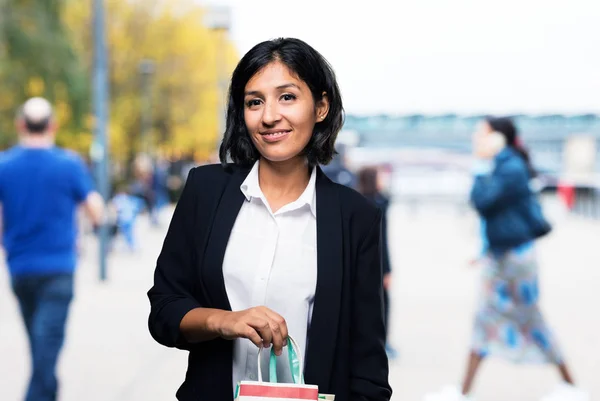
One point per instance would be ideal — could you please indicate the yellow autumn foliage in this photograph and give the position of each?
(184, 85)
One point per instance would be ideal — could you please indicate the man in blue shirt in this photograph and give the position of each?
(41, 187)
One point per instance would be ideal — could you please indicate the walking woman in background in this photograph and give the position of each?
(268, 245)
(369, 185)
(508, 322)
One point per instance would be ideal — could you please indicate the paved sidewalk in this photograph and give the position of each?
(434, 301)
(110, 355)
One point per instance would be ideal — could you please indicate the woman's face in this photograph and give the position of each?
(280, 112)
(483, 128)
(481, 131)
(486, 142)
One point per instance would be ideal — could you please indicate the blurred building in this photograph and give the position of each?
(545, 135)
(430, 155)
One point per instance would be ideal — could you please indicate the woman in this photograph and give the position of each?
(508, 323)
(369, 186)
(268, 246)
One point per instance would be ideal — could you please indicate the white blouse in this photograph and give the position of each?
(271, 260)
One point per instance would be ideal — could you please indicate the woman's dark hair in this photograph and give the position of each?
(309, 66)
(507, 128)
(367, 181)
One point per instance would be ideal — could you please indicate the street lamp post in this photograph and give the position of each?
(146, 69)
(218, 19)
(99, 150)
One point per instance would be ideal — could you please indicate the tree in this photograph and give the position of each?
(184, 85)
(37, 59)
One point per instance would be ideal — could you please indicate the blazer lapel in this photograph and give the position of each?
(324, 323)
(225, 215)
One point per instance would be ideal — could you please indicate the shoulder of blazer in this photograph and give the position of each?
(357, 210)
(212, 172)
(210, 178)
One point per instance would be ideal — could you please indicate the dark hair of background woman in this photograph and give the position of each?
(310, 67)
(507, 128)
(367, 181)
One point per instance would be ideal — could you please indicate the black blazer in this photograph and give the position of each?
(345, 355)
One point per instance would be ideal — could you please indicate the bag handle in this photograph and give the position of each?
(295, 359)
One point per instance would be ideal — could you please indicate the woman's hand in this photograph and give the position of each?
(260, 325)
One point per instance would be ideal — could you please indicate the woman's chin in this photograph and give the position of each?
(281, 157)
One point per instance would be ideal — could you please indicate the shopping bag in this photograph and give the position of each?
(273, 391)
(255, 391)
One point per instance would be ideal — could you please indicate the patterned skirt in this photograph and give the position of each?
(509, 323)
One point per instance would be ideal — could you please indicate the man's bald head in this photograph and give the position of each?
(36, 116)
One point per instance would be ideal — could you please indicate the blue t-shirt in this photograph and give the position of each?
(40, 189)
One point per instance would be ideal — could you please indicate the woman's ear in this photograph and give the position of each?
(322, 107)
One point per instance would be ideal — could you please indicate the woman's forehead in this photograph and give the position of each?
(274, 75)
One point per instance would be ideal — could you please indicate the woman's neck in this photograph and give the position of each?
(283, 182)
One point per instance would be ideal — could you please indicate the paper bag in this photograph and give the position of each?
(273, 391)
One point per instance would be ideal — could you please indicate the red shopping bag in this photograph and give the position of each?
(256, 391)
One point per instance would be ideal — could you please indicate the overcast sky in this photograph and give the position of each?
(437, 56)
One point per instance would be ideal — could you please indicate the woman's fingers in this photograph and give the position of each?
(268, 325)
(279, 330)
(251, 334)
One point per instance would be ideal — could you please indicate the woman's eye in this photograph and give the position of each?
(288, 96)
(253, 103)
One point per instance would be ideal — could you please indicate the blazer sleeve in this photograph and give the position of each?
(369, 372)
(171, 296)
(491, 193)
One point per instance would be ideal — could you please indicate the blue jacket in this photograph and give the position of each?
(502, 199)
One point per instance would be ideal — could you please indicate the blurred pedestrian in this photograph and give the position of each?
(41, 187)
(143, 185)
(508, 322)
(159, 186)
(268, 245)
(126, 209)
(337, 170)
(370, 186)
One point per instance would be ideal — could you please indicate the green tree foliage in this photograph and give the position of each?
(37, 58)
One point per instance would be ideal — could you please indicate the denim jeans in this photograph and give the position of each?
(44, 302)
(128, 232)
